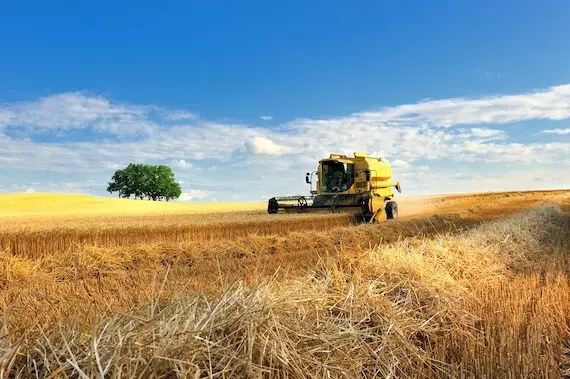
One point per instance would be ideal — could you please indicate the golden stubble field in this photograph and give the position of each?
(461, 286)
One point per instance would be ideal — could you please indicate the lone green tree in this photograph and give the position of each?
(145, 181)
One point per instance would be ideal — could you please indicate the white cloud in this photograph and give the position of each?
(552, 103)
(398, 163)
(263, 145)
(182, 164)
(75, 110)
(406, 133)
(487, 133)
(556, 131)
(193, 194)
(266, 118)
(180, 115)
(67, 110)
(30, 190)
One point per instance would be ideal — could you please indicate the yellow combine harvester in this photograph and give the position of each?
(361, 183)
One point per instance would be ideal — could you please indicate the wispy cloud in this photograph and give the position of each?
(77, 110)
(180, 115)
(552, 103)
(556, 131)
(266, 118)
(487, 133)
(193, 194)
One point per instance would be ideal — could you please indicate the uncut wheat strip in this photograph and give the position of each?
(34, 242)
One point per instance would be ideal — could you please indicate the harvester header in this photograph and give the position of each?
(361, 183)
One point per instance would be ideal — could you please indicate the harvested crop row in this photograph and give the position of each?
(115, 278)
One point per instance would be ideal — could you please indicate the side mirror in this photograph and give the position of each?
(308, 178)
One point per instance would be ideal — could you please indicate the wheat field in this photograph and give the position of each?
(461, 286)
(45, 204)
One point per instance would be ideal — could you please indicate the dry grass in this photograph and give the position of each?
(51, 287)
(438, 297)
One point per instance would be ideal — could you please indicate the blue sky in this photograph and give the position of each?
(243, 98)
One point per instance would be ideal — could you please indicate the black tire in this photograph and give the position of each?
(366, 214)
(272, 206)
(391, 210)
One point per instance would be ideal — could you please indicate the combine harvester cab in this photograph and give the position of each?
(360, 184)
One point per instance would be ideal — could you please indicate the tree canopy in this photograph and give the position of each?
(145, 181)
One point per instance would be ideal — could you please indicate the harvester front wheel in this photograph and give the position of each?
(391, 210)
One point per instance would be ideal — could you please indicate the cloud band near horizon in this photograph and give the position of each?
(81, 134)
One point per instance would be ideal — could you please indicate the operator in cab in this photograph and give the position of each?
(336, 178)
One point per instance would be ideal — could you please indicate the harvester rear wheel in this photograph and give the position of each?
(391, 210)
